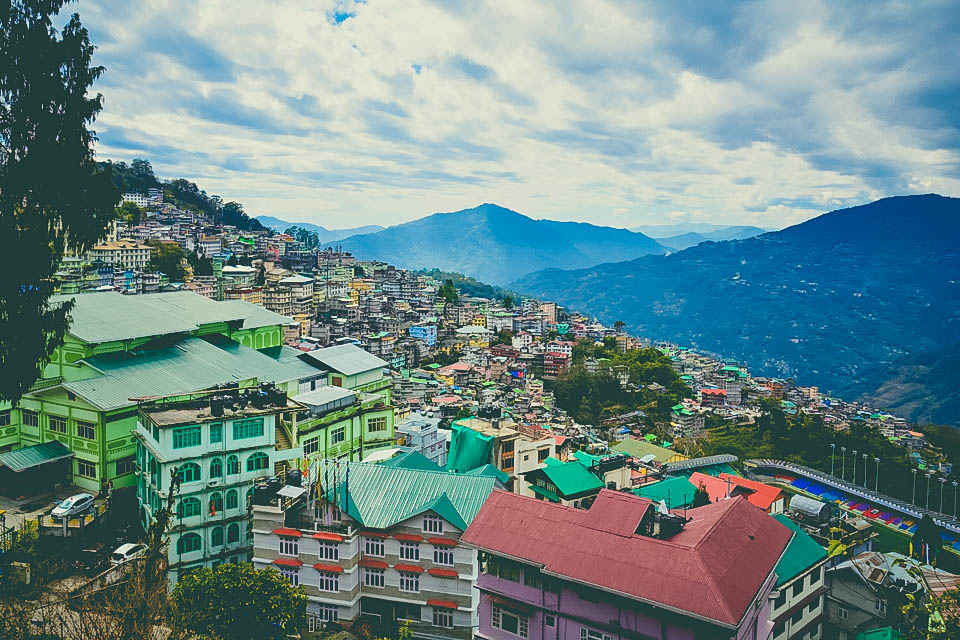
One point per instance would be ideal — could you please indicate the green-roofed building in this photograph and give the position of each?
(798, 605)
(565, 483)
(120, 347)
(676, 491)
(646, 450)
(384, 539)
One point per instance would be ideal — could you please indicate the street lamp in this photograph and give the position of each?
(833, 450)
(864, 471)
(954, 483)
(929, 475)
(854, 475)
(876, 484)
(913, 492)
(943, 481)
(843, 463)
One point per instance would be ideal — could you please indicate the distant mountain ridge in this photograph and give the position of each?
(497, 245)
(686, 240)
(842, 301)
(324, 234)
(658, 231)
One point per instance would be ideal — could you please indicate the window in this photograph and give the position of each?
(506, 621)
(531, 577)
(250, 428)
(189, 472)
(29, 418)
(4, 418)
(881, 607)
(509, 571)
(797, 617)
(329, 550)
(156, 433)
(338, 435)
(816, 575)
(377, 424)
(432, 524)
(797, 588)
(409, 582)
(443, 555)
(232, 499)
(233, 533)
(328, 613)
(58, 424)
(781, 599)
(336, 381)
(257, 461)
(409, 551)
(289, 545)
(779, 629)
(328, 581)
(311, 446)
(86, 469)
(126, 465)
(589, 634)
(233, 465)
(186, 437)
(216, 503)
(291, 575)
(216, 537)
(373, 547)
(86, 430)
(372, 577)
(189, 542)
(549, 620)
(216, 432)
(443, 618)
(189, 507)
(543, 454)
(216, 468)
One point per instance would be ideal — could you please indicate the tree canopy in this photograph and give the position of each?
(237, 602)
(167, 258)
(53, 196)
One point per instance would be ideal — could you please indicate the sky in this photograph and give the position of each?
(343, 113)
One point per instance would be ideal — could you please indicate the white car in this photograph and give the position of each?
(127, 552)
(73, 505)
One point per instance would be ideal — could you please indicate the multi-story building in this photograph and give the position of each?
(140, 199)
(687, 422)
(798, 607)
(127, 254)
(342, 423)
(215, 446)
(624, 568)
(353, 368)
(423, 435)
(209, 246)
(383, 545)
(120, 347)
(425, 332)
(509, 447)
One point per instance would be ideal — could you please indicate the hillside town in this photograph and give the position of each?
(407, 453)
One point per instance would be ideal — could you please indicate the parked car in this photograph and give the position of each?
(73, 505)
(127, 552)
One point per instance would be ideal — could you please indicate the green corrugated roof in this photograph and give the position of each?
(36, 455)
(801, 554)
(546, 493)
(882, 633)
(381, 496)
(572, 478)
(411, 460)
(676, 491)
(637, 448)
(254, 316)
(189, 365)
(489, 471)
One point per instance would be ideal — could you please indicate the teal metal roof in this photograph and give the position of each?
(29, 457)
(676, 491)
(411, 459)
(347, 359)
(801, 554)
(489, 471)
(381, 496)
(189, 365)
(572, 478)
(254, 316)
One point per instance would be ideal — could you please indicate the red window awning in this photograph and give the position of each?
(442, 542)
(283, 531)
(408, 537)
(373, 564)
(326, 535)
(409, 568)
(443, 604)
(375, 534)
(332, 568)
(288, 562)
(443, 573)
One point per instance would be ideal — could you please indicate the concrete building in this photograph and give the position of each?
(127, 254)
(798, 606)
(340, 423)
(423, 435)
(383, 545)
(216, 453)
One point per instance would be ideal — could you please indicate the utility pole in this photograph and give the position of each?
(833, 450)
(865, 471)
(954, 483)
(929, 475)
(876, 484)
(913, 492)
(943, 481)
(843, 463)
(854, 474)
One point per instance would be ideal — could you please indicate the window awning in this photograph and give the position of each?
(546, 493)
(38, 454)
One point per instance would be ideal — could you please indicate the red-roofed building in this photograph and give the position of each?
(726, 485)
(624, 569)
(713, 397)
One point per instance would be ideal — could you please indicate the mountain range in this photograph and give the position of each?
(497, 245)
(863, 301)
(323, 234)
(692, 238)
(657, 231)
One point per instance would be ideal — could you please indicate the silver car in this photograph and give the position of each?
(74, 505)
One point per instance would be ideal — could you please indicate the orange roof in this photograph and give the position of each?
(758, 494)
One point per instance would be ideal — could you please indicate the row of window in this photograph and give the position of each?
(339, 435)
(185, 437)
(190, 542)
(290, 546)
(191, 506)
(329, 581)
(190, 471)
(55, 423)
(798, 587)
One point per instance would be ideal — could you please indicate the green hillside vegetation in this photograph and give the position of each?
(592, 397)
(469, 286)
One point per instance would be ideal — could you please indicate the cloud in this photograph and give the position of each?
(607, 111)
